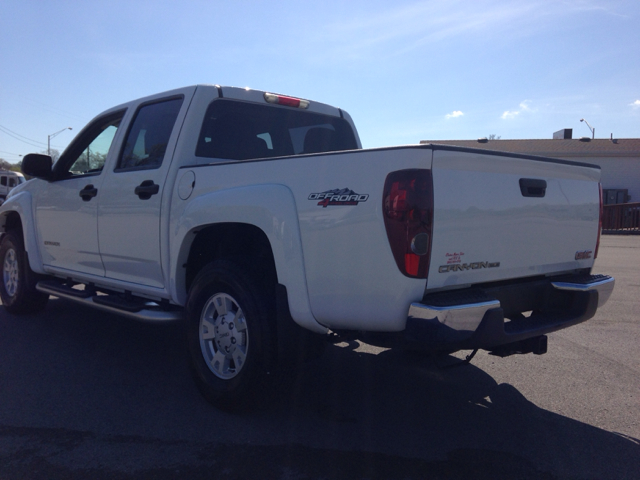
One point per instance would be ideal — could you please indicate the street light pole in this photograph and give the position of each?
(593, 130)
(49, 137)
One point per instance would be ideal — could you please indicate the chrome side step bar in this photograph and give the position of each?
(148, 312)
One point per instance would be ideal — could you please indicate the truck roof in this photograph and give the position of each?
(259, 96)
(247, 94)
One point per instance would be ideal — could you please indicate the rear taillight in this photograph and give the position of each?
(408, 217)
(599, 221)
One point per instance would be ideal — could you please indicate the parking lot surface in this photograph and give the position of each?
(84, 394)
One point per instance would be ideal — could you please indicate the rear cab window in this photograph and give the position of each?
(237, 130)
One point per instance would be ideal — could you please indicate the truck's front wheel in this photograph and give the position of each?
(18, 283)
(229, 324)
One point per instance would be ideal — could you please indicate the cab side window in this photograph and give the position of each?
(92, 158)
(147, 139)
(88, 152)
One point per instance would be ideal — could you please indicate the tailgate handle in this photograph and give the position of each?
(532, 187)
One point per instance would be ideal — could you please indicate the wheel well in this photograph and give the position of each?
(12, 221)
(239, 242)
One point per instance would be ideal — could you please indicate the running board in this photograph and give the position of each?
(136, 308)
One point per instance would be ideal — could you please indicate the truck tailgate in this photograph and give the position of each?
(494, 220)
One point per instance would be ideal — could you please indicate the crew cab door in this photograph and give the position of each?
(129, 216)
(66, 207)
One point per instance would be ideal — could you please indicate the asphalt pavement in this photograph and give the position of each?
(85, 394)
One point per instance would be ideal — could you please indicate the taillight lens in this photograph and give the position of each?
(408, 218)
(599, 221)
(286, 101)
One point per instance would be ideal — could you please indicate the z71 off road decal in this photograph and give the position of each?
(336, 197)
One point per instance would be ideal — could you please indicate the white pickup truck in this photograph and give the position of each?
(259, 220)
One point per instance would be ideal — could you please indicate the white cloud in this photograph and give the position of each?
(635, 104)
(404, 28)
(412, 25)
(454, 114)
(511, 114)
(524, 106)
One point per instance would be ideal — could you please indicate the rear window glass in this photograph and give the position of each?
(241, 131)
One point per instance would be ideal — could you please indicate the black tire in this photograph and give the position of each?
(18, 281)
(229, 331)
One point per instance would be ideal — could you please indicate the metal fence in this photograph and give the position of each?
(621, 218)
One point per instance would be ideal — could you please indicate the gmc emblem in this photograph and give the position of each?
(583, 255)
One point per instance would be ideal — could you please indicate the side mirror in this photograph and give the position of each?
(37, 165)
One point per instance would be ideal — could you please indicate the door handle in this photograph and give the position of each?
(146, 189)
(88, 192)
(533, 187)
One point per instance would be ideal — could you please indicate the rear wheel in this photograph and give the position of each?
(229, 333)
(18, 282)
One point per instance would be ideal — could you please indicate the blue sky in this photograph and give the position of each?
(405, 70)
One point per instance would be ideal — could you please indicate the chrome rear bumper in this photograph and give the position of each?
(473, 319)
(600, 283)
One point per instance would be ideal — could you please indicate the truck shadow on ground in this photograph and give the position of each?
(90, 395)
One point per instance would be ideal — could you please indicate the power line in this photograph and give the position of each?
(28, 141)
(55, 110)
(22, 138)
(24, 141)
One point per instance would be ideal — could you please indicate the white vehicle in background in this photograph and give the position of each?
(9, 180)
(259, 221)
